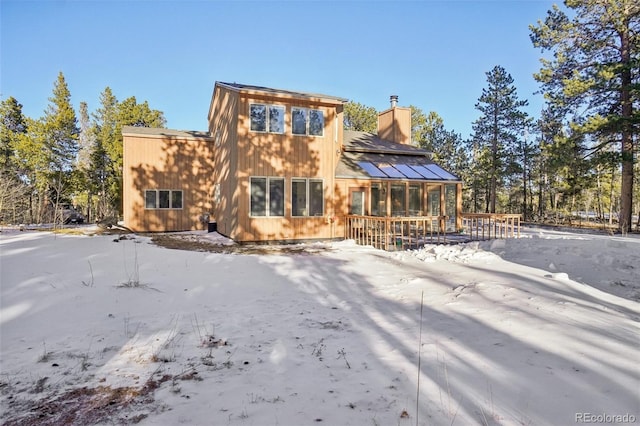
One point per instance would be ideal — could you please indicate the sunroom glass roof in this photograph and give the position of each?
(389, 170)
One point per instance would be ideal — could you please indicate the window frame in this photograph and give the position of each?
(267, 196)
(307, 117)
(308, 204)
(159, 198)
(267, 118)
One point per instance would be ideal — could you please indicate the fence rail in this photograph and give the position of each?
(401, 233)
(486, 226)
(395, 233)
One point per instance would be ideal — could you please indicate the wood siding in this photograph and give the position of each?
(223, 127)
(157, 162)
(395, 125)
(245, 154)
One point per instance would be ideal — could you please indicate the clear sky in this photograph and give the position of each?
(432, 54)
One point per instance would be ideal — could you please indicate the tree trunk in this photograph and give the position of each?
(626, 189)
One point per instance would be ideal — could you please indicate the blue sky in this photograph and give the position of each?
(432, 54)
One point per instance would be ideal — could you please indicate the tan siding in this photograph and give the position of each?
(288, 156)
(395, 125)
(224, 130)
(156, 162)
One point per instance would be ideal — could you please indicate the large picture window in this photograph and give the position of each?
(267, 196)
(307, 121)
(267, 118)
(307, 197)
(162, 199)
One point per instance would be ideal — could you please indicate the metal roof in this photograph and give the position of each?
(161, 132)
(369, 142)
(272, 91)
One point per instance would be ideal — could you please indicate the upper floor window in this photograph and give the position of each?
(267, 118)
(306, 121)
(162, 199)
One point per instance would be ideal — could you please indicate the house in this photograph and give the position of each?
(277, 165)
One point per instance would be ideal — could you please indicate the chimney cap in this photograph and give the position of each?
(394, 100)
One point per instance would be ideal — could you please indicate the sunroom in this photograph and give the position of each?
(396, 194)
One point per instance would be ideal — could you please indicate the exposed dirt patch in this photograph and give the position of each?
(92, 405)
(196, 243)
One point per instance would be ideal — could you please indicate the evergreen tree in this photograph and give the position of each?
(12, 124)
(86, 142)
(62, 129)
(85, 138)
(418, 126)
(103, 177)
(12, 189)
(446, 146)
(61, 147)
(129, 113)
(33, 162)
(360, 117)
(594, 76)
(496, 135)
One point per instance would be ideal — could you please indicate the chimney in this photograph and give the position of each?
(394, 124)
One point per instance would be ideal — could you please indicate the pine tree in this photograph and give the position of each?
(12, 124)
(360, 117)
(103, 178)
(496, 135)
(446, 146)
(62, 129)
(594, 76)
(12, 189)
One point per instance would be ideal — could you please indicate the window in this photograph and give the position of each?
(276, 119)
(267, 196)
(434, 201)
(398, 200)
(450, 206)
(307, 121)
(415, 200)
(307, 197)
(378, 200)
(266, 118)
(357, 206)
(316, 122)
(299, 121)
(162, 199)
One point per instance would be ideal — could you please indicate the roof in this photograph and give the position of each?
(383, 166)
(355, 141)
(160, 132)
(248, 88)
(366, 156)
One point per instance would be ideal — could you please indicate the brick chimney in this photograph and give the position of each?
(394, 124)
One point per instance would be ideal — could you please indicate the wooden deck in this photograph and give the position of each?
(402, 233)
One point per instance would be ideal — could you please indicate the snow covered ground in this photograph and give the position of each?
(541, 330)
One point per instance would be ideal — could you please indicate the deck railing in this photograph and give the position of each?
(401, 233)
(487, 226)
(395, 233)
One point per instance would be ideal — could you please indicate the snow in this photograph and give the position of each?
(538, 330)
